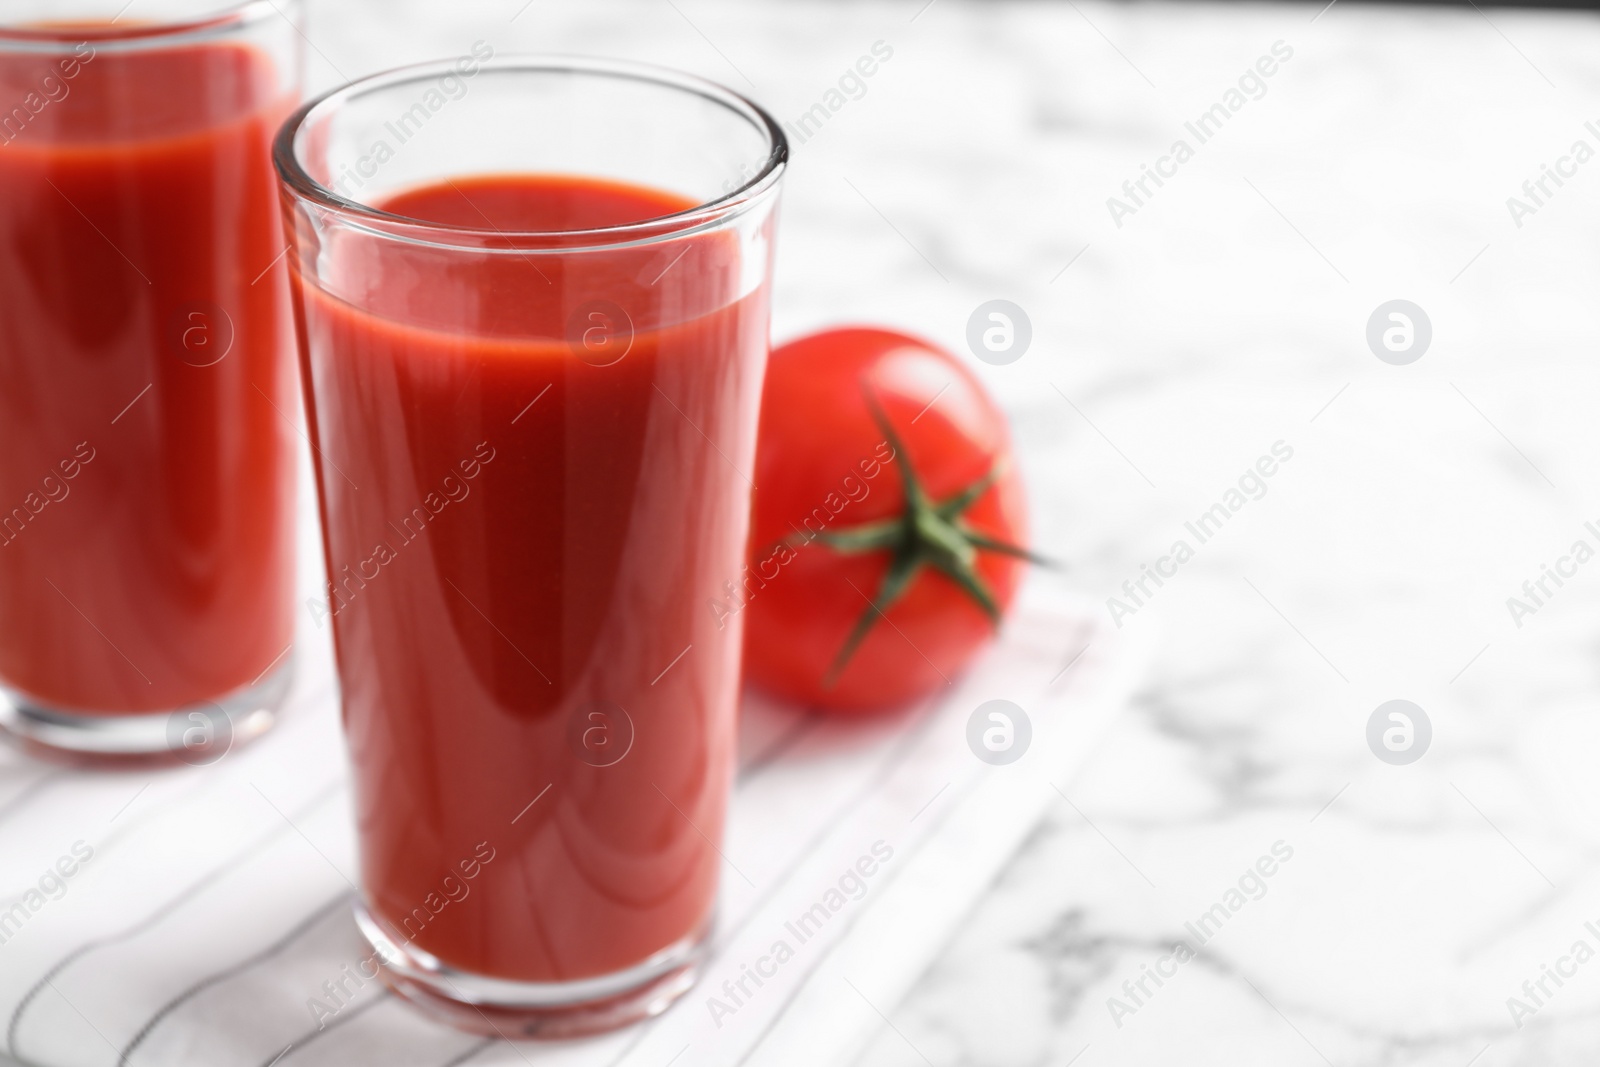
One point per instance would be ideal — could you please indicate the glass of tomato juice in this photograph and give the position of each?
(532, 298)
(146, 363)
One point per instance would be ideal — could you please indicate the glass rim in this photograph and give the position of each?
(296, 180)
(225, 18)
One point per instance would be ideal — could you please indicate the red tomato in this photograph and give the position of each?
(848, 416)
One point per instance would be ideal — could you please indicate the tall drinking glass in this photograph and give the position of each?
(146, 369)
(532, 297)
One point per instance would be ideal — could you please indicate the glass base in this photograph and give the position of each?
(198, 734)
(497, 1007)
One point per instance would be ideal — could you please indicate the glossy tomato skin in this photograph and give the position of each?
(823, 463)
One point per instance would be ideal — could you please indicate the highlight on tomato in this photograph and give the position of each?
(888, 523)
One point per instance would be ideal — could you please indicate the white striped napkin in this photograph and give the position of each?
(215, 901)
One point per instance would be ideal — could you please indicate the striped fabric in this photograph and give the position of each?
(207, 908)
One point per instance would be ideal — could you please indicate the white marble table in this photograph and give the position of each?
(1225, 314)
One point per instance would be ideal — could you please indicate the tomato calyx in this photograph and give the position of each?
(926, 533)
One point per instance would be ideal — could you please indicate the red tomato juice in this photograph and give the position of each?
(523, 545)
(146, 470)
